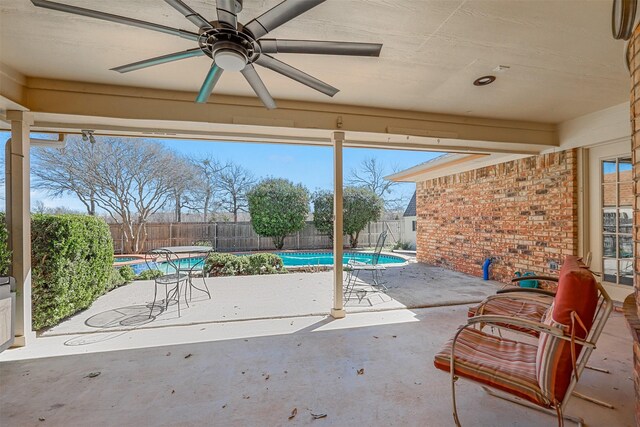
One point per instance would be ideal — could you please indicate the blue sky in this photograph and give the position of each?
(311, 166)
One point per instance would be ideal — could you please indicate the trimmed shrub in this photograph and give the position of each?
(323, 212)
(115, 279)
(361, 206)
(265, 264)
(127, 273)
(149, 274)
(402, 245)
(223, 264)
(72, 264)
(5, 253)
(278, 207)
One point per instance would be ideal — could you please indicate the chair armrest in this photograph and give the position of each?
(544, 278)
(526, 291)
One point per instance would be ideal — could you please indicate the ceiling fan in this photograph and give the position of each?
(233, 46)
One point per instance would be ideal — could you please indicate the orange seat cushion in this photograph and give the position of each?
(497, 362)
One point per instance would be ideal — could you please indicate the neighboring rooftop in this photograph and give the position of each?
(411, 207)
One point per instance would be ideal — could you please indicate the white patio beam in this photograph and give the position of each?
(146, 109)
(18, 206)
(337, 311)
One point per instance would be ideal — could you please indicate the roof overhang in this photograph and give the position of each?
(450, 164)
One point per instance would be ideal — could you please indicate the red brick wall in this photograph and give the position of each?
(634, 61)
(521, 213)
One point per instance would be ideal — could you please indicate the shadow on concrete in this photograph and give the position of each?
(134, 315)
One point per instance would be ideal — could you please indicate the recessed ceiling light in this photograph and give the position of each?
(484, 80)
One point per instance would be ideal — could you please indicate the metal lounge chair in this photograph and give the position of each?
(531, 304)
(171, 279)
(541, 376)
(353, 269)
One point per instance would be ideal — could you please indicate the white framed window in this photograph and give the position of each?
(617, 220)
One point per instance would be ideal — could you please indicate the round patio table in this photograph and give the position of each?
(191, 270)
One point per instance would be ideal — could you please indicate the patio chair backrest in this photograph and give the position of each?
(581, 308)
(156, 256)
(379, 245)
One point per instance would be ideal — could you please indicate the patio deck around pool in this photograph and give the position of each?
(274, 296)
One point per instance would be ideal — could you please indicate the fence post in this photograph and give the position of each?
(215, 237)
(170, 233)
(298, 240)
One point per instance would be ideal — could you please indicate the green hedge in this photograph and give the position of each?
(72, 259)
(223, 264)
(149, 274)
(5, 253)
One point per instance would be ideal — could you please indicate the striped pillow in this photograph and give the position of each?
(551, 354)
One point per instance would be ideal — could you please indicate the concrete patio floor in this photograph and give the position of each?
(414, 285)
(256, 373)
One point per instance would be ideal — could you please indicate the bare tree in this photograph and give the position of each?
(130, 179)
(370, 174)
(184, 185)
(61, 171)
(235, 182)
(205, 189)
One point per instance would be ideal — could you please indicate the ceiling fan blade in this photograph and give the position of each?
(209, 82)
(227, 13)
(278, 15)
(295, 74)
(115, 18)
(320, 47)
(249, 73)
(159, 60)
(190, 14)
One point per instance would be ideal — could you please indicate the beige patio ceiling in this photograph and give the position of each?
(563, 61)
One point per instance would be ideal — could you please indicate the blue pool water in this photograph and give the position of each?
(290, 259)
(297, 259)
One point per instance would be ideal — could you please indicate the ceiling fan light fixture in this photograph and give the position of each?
(484, 80)
(230, 59)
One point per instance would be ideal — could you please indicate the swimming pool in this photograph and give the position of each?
(289, 259)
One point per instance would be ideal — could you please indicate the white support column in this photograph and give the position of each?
(338, 305)
(18, 201)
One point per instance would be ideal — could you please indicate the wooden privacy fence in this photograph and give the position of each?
(240, 237)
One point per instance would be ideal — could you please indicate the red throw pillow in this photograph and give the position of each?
(577, 292)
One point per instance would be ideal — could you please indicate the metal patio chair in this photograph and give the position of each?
(541, 376)
(353, 269)
(171, 279)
